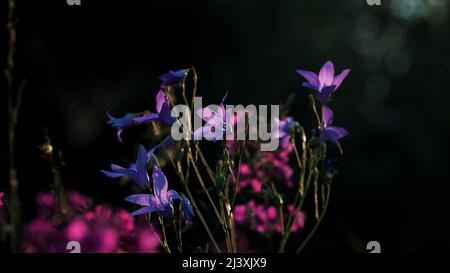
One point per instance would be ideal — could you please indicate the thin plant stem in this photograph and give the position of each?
(177, 235)
(12, 109)
(196, 208)
(194, 91)
(318, 221)
(163, 228)
(241, 155)
(293, 217)
(202, 183)
(316, 198)
(205, 163)
(314, 107)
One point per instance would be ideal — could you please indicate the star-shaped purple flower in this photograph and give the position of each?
(160, 201)
(218, 123)
(173, 78)
(137, 172)
(328, 132)
(326, 83)
(163, 113)
(188, 211)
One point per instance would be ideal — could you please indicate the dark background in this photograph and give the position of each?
(105, 55)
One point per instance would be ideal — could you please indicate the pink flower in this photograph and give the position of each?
(240, 213)
(245, 169)
(102, 229)
(45, 200)
(1, 196)
(77, 230)
(124, 221)
(77, 200)
(265, 219)
(148, 242)
(300, 219)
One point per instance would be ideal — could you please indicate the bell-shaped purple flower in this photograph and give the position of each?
(173, 78)
(285, 128)
(121, 123)
(163, 113)
(160, 201)
(137, 172)
(188, 210)
(328, 132)
(326, 83)
(218, 123)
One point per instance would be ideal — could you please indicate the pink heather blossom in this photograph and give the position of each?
(45, 199)
(102, 229)
(1, 197)
(147, 242)
(265, 219)
(77, 230)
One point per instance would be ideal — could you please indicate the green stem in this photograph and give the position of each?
(318, 221)
(205, 163)
(202, 183)
(293, 217)
(177, 235)
(163, 228)
(194, 205)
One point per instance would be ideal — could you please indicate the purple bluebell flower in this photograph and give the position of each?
(328, 132)
(188, 210)
(163, 113)
(160, 201)
(173, 78)
(121, 123)
(285, 128)
(137, 172)
(326, 83)
(220, 120)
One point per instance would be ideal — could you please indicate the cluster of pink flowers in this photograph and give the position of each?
(264, 167)
(265, 219)
(101, 229)
(261, 169)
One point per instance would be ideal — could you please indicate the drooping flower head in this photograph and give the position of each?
(1, 197)
(218, 123)
(188, 211)
(121, 123)
(136, 172)
(160, 201)
(163, 113)
(326, 83)
(328, 132)
(173, 78)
